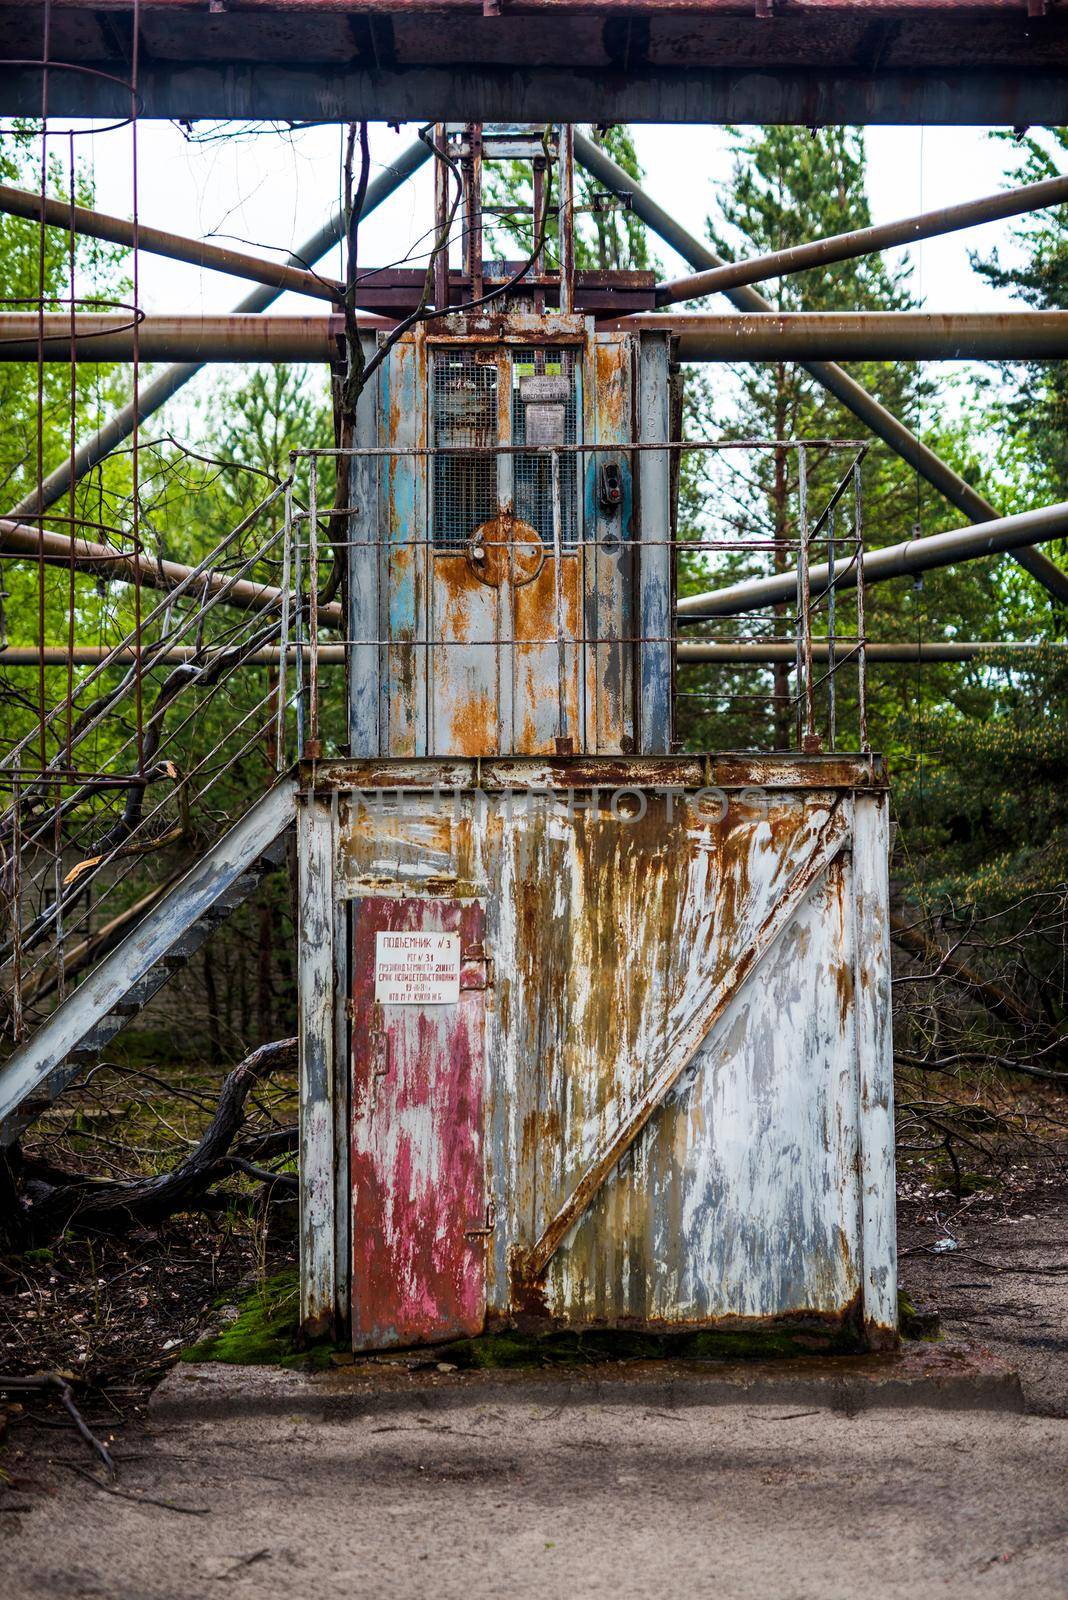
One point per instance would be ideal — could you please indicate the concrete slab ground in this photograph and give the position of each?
(631, 1482)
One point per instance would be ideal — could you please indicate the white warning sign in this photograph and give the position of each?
(417, 969)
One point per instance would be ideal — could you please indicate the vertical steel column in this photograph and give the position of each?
(283, 639)
(806, 729)
(318, 1005)
(655, 620)
(862, 643)
(472, 170)
(832, 687)
(442, 177)
(365, 559)
(875, 1064)
(558, 607)
(566, 214)
(314, 749)
(298, 643)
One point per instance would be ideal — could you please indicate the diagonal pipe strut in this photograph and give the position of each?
(863, 241)
(168, 382)
(833, 378)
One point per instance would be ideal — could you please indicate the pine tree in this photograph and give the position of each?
(1033, 416)
(789, 185)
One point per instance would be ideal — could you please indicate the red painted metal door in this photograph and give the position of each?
(418, 1177)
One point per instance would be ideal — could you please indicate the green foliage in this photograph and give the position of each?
(40, 409)
(983, 796)
(1031, 409)
(789, 185)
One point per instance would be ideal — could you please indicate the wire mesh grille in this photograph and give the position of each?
(533, 471)
(464, 417)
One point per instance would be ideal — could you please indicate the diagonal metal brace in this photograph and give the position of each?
(830, 841)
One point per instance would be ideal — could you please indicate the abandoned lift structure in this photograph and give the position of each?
(592, 1033)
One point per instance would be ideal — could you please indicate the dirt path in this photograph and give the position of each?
(517, 1494)
(278, 1485)
(1004, 1285)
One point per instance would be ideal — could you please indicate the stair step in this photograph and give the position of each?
(269, 818)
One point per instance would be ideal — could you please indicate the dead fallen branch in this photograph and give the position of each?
(57, 1202)
(56, 1383)
(137, 1496)
(955, 1062)
(913, 938)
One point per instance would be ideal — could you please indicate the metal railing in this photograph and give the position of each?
(149, 759)
(817, 637)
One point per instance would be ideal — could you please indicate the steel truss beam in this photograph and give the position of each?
(18, 541)
(538, 92)
(688, 652)
(893, 561)
(175, 246)
(834, 378)
(769, 652)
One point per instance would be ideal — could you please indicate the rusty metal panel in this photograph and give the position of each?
(418, 1192)
(609, 550)
(655, 609)
(405, 554)
(500, 616)
(691, 1004)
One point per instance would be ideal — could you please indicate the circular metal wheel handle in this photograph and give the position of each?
(505, 550)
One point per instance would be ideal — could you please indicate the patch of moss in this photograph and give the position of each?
(915, 1322)
(509, 1348)
(266, 1330)
(39, 1257)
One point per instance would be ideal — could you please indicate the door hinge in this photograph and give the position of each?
(491, 1218)
(476, 968)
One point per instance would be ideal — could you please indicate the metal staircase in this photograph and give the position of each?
(127, 978)
(146, 763)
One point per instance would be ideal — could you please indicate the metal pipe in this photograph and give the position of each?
(91, 224)
(109, 336)
(895, 561)
(867, 335)
(689, 652)
(166, 384)
(864, 241)
(101, 560)
(694, 652)
(774, 336)
(835, 379)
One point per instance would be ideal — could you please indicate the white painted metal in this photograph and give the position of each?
(875, 1059)
(317, 1031)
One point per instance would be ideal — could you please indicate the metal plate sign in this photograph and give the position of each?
(544, 390)
(415, 968)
